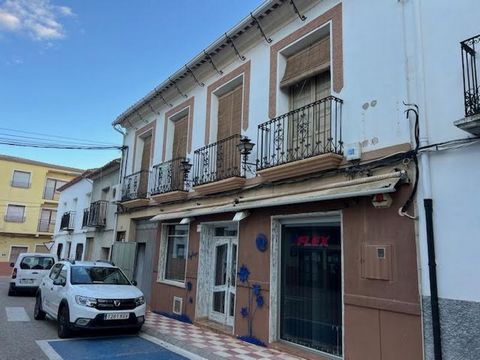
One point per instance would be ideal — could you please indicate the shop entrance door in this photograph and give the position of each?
(222, 308)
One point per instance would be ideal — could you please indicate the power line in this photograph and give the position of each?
(55, 141)
(55, 136)
(10, 142)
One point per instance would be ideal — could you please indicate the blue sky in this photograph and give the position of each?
(69, 67)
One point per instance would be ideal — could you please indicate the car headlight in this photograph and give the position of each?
(86, 301)
(139, 301)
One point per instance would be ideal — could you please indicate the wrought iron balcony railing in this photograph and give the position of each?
(311, 130)
(217, 161)
(169, 176)
(97, 214)
(45, 225)
(470, 67)
(135, 186)
(68, 221)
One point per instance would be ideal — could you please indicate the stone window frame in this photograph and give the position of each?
(243, 70)
(150, 127)
(187, 105)
(333, 16)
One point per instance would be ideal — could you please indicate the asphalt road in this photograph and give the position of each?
(17, 338)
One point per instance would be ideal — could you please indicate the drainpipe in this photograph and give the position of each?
(418, 88)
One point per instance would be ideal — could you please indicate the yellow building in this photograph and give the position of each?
(28, 205)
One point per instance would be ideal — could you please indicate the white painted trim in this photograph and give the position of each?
(162, 257)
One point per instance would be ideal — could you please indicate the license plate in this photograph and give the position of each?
(26, 281)
(117, 316)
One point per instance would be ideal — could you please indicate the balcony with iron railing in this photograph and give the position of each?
(135, 189)
(46, 226)
(302, 141)
(471, 86)
(67, 222)
(97, 214)
(169, 180)
(219, 166)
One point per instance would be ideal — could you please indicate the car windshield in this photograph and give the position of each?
(97, 275)
(36, 263)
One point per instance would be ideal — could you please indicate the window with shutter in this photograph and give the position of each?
(21, 179)
(179, 151)
(145, 165)
(15, 213)
(229, 123)
(306, 63)
(307, 79)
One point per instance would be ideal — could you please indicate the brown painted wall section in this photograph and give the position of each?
(382, 318)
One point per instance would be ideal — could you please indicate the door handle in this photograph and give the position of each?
(51, 288)
(35, 273)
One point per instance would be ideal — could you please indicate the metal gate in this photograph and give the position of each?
(145, 236)
(123, 256)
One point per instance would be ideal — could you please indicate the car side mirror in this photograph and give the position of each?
(59, 282)
(12, 264)
(134, 282)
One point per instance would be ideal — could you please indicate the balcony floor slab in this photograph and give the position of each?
(301, 167)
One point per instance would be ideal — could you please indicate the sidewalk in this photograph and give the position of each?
(206, 343)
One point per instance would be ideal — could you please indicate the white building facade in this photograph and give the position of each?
(70, 225)
(322, 220)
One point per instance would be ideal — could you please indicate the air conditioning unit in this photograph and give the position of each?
(177, 305)
(117, 192)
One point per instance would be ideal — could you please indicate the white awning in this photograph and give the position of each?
(341, 190)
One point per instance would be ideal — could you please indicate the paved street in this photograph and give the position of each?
(18, 334)
(22, 337)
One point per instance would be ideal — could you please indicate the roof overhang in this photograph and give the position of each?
(340, 190)
(215, 47)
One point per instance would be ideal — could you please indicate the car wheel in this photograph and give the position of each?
(11, 290)
(64, 330)
(38, 313)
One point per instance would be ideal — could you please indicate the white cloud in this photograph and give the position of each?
(40, 19)
(9, 21)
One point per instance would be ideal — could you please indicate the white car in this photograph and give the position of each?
(89, 295)
(29, 270)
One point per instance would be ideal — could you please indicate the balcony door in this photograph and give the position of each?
(47, 220)
(309, 128)
(224, 273)
(179, 152)
(229, 123)
(145, 166)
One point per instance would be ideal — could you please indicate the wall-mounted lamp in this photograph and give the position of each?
(185, 166)
(245, 147)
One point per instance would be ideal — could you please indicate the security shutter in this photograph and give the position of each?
(180, 138)
(229, 123)
(145, 166)
(308, 62)
(230, 113)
